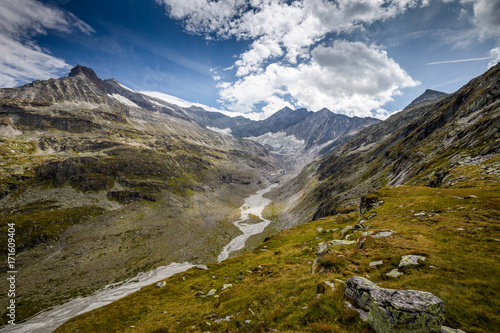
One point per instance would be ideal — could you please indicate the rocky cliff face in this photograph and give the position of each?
(315, 129)
(420, 145)
(94, 174)
(294, 137)
(428, 95)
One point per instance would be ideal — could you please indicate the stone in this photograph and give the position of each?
(324, 286)
(227, 285)
(470, 196)
(161, 284)
(202, 267)
(383, 234)
(420, 214)
(376, 263)
(211, 292)
(446, 329)
(322, 249)
(341, 242)
(347, 228)
(391, 310)
(410, 261)
(319, 229)
(394, 273)
(367, 233)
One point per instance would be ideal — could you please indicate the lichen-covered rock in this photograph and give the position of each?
(341, 242)
(394, 273)
(376, 263)
(410, 261)
(391, 310)
(346, 229)
(322, 249)
(383, 234)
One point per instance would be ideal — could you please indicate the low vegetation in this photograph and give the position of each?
(274, 287)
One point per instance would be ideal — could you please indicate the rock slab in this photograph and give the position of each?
(391, 310)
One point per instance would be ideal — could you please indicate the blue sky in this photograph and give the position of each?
(253, 57)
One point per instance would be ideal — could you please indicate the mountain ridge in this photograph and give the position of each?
(125, 182)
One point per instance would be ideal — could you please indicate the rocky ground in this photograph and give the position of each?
(100, 190)
(439, 241)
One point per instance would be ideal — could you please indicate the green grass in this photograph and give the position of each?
(42, 222)
(274, 287)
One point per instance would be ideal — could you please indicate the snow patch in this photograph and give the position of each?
(168, 98)
(226, 131)
(125, 87)
(186, 104)
(280, 142)
(123, 100)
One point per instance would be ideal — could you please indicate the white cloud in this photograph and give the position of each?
(284, 60)
(495, 57)
(486, 16)
(346, 77)
(22, 59)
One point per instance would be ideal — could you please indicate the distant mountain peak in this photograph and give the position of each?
(427, 95)
(89, 73)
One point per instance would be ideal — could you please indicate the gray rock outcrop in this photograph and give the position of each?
(390, 310)
(410, 261)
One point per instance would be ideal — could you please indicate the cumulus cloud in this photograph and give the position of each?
(346, 77)
(486, 16)
(284, 62)
(495, 57)
(22, 59)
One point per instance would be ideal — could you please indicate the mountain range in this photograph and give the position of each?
(96, 175)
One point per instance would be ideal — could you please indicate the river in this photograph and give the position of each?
(254, 205)
(47, 321)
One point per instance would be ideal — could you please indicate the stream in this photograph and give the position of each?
(47, 321)
(254, 205)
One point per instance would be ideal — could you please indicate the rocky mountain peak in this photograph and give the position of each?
(89, 73)
(427, 96)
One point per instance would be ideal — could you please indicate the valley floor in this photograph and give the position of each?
(276, 288)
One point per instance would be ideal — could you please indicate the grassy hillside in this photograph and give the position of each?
(274, 287)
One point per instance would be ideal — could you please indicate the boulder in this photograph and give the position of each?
(410, 261)
(202, 267)
(160, 284)
(376, 263)
(394, 273)
(391, 310)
